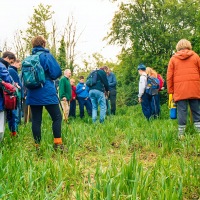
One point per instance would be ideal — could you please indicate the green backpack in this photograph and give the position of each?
(33, 74)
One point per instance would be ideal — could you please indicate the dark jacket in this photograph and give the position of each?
(112, 82)
(47, 94)
(102, 82)
(5, 76)
(14, 74)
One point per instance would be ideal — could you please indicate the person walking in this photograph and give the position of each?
(143, 97)
(7, 59)
(97, 94)
(65, 93)
(14, 116)
(45, 96)
(183, 82)
(72, 110)
(82, 91)
(112, 82)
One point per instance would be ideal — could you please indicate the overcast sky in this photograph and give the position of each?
(92, 17)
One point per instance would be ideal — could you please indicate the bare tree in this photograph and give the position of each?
(71, 39)
(19, 45)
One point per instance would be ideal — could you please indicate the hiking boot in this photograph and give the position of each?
(13, 134)
(60, 147)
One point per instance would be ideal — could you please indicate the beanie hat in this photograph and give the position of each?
(141, 66)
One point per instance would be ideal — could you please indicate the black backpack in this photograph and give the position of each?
(92, 78)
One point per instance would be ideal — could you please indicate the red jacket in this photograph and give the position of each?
(183, 75)
(73, 93)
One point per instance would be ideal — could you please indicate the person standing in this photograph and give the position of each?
(82, 91)
(183, 82)
(65, 93)
(14, 116)
(155, 100)
(97, 94)
(143, 97)
(45, 96)
(72, 110)
(112, 82)
(7, 59)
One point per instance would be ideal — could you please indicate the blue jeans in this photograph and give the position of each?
(13, 119)
(98, 98)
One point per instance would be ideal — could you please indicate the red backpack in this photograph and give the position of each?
(161, 81)
(9, 95)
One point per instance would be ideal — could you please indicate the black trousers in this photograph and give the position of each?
(54, 112)
(112, 97)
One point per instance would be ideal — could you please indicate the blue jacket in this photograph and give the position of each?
(83, 93)
(5, 76)
(47, 94)
(112, 82)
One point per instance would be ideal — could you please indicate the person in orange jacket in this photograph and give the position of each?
(183, 82)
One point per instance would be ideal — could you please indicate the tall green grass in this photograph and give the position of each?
(124, 158)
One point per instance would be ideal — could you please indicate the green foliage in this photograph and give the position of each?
(124, 158)
(62, 54)
(148, 32)
(37, 24)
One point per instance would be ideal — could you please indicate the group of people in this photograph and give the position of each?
(88, 97)
(47, 96)
(183, 83)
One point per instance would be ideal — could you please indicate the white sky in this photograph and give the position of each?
(92, 17)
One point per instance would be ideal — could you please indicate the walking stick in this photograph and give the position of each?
(28, 113)
(65, 117)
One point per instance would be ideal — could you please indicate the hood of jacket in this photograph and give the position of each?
(183, 54)
(39, 48)
(4, 62)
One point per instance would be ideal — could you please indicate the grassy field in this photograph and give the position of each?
(124, 158)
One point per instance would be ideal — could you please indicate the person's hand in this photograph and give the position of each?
(139, 100)
(83, 88)
(64, 99)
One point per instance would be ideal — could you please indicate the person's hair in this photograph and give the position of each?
(72, 79)
(151, 72)
(183, 44)
(38, 41)
(9, 54)
(66, 71)
(17, 60)
(81, 77)
(105, 68)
